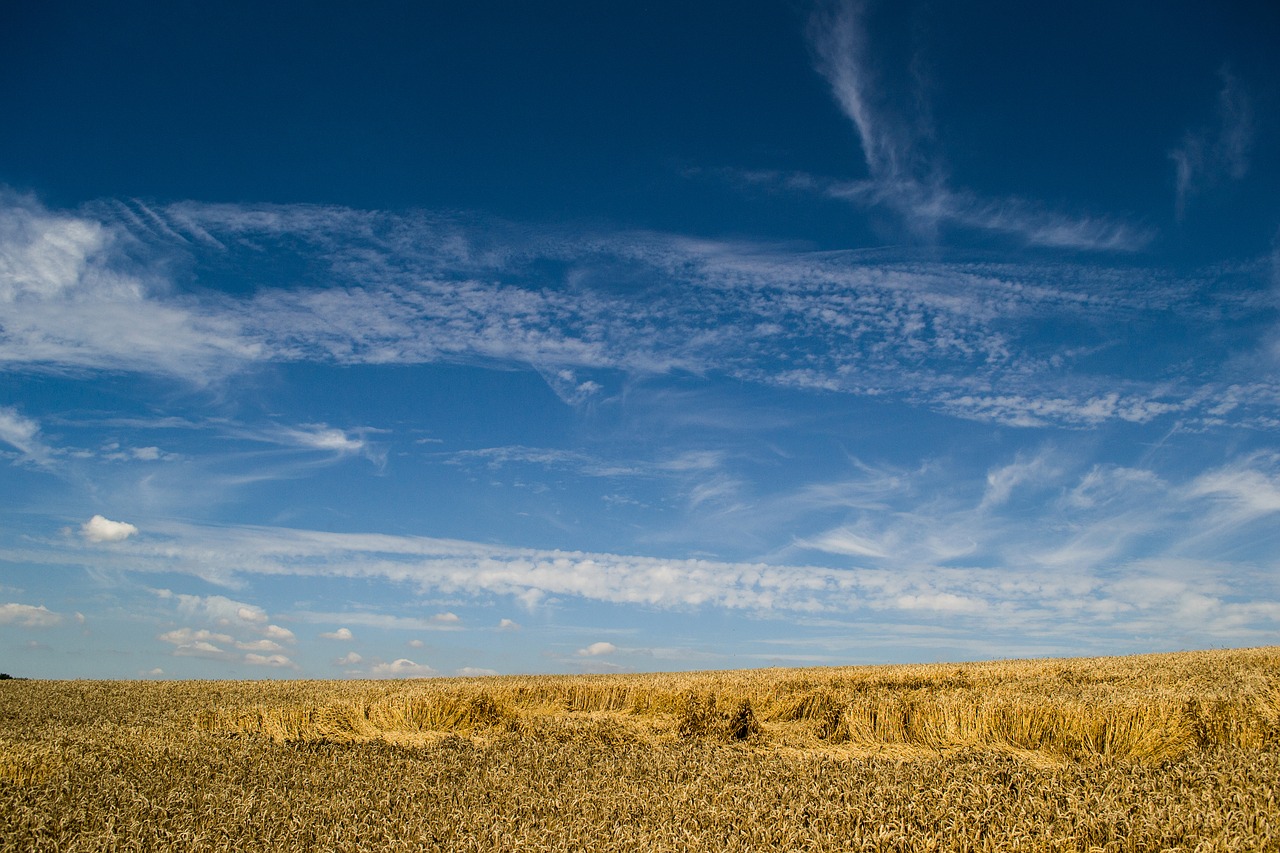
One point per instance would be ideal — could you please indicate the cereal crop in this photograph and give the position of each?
(1161, 752)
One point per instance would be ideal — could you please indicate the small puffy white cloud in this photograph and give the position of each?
(508, 625)
(260, 646)
(27, 616)
(323, 437)
(597, 649)
(156, 672)
(187, 636)
(340, 634)
(349, 659)
(100, 529)
(446, 618)
(415, 644)
(475, 672)
(201, 649)
(275, 632)
(251, 614)
(279, 661)
(403, 668)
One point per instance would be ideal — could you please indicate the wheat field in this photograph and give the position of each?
(1176, 752)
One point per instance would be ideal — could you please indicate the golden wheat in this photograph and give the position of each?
(1172, 752)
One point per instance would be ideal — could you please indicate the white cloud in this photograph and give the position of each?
(74, 298)
(1044, 556)
(254, 615)
(23, 434)
(940, 335)
(845, 541)
(340, 634)
(241, 634)
(260, 646)
(322, 437)
(221, 610)
(1084, 411)
(278, 661)
(569, 387)
(1111, 485)
(99, 529)
(508, 625)
(187, 636)
(212, 645)
(278, 633)
(902, 178)
(1255, 492)
(475, 672)
(27, 616)
(402, 668)
(415, 644)
(43, 254)
(598, 649)
(1208, 156)
(203, 649)
(381, 621)
(1003, 480)
(1016, 565)
(944, 602)
(349, 659)
(446, 618)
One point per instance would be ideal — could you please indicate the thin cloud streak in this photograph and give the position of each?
(1209, 156)
(23, 434)
(904, 180)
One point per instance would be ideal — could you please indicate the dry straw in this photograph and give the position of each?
(1162, 752)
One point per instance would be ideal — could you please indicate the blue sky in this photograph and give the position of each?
(580, 337)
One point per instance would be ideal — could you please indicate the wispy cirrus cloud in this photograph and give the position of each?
(74, 300)
(1117, 549)
(905, 180)
(23, 434)
(959, 337)
(377, 620)
(1208, 156)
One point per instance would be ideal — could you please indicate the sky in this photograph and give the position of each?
(402, 339)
